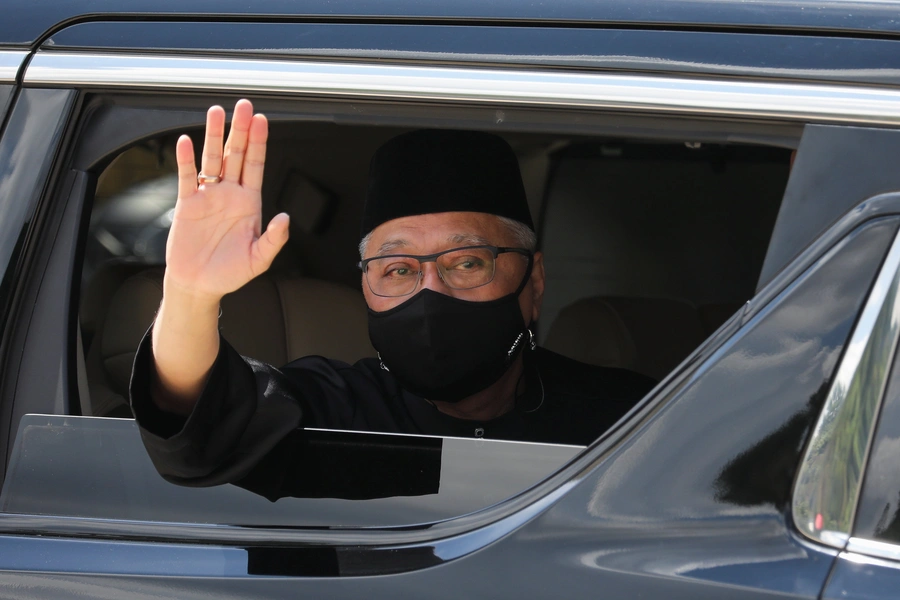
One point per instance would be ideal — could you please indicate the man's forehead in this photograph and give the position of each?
(442, 229)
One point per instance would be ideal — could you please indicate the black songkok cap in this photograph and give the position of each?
(434, 171)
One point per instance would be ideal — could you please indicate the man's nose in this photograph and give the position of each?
(431, 279)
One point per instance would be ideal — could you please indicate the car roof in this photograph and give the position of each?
(28, 22)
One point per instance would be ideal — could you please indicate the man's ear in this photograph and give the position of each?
(537, 285)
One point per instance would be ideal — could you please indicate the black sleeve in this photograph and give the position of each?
(245, 410)
(351, 466)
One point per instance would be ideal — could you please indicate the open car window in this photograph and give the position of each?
(652, 241)
(650, 246)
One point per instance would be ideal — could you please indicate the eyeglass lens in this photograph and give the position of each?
(460, 269)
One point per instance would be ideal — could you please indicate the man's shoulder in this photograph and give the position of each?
(368, 367)
(567, 375)
(364, 364)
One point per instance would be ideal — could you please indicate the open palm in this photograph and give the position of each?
(216, 244)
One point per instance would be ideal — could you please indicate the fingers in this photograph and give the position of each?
(242, 157)
(187, 168)
(255, 159)
(270, 242)
(211, 161)
(236, 146)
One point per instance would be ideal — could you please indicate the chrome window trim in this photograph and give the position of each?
(710, 97)
(10, 63)
(829, 479)
(873, 548)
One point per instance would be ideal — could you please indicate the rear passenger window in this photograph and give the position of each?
(650, 245)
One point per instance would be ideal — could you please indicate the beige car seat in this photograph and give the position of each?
(274, 318)
(648, 335)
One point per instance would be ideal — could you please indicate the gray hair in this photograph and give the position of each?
(522, 234)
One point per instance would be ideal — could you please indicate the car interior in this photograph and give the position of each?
(649, 244)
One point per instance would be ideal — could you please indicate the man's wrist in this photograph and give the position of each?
(187, 301)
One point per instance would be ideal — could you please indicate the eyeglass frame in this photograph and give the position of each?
(426, 258)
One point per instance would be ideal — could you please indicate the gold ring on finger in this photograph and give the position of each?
(204, 179)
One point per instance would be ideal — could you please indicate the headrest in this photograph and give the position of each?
(591, 331)
(648, 335)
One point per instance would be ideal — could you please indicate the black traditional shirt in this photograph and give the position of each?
(247, 407)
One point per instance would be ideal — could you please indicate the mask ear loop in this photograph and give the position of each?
(541, 403)
(531, 342)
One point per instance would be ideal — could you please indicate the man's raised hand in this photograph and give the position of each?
(215, 244)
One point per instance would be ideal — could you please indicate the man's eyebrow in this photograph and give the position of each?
(468, 239)
(391, 245)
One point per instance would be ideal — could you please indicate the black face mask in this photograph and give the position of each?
(446, 349)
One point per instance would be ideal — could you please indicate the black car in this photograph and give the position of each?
(716, 187)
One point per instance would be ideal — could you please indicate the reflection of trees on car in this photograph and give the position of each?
(764, 473)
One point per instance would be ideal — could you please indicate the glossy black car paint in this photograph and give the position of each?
(688, 500)
(31, 137)
(853, 577)
(824, 186)
(738, 54)
(36, 18)
(733, 499)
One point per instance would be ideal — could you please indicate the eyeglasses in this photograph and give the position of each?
(463, 268)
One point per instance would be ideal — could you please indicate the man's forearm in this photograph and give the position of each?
(185, 346)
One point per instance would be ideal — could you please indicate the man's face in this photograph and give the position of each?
(427, 234)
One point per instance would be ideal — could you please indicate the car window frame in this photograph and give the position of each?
(11, 62)
(712, 97)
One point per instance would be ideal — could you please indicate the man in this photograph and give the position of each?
(453, 285)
